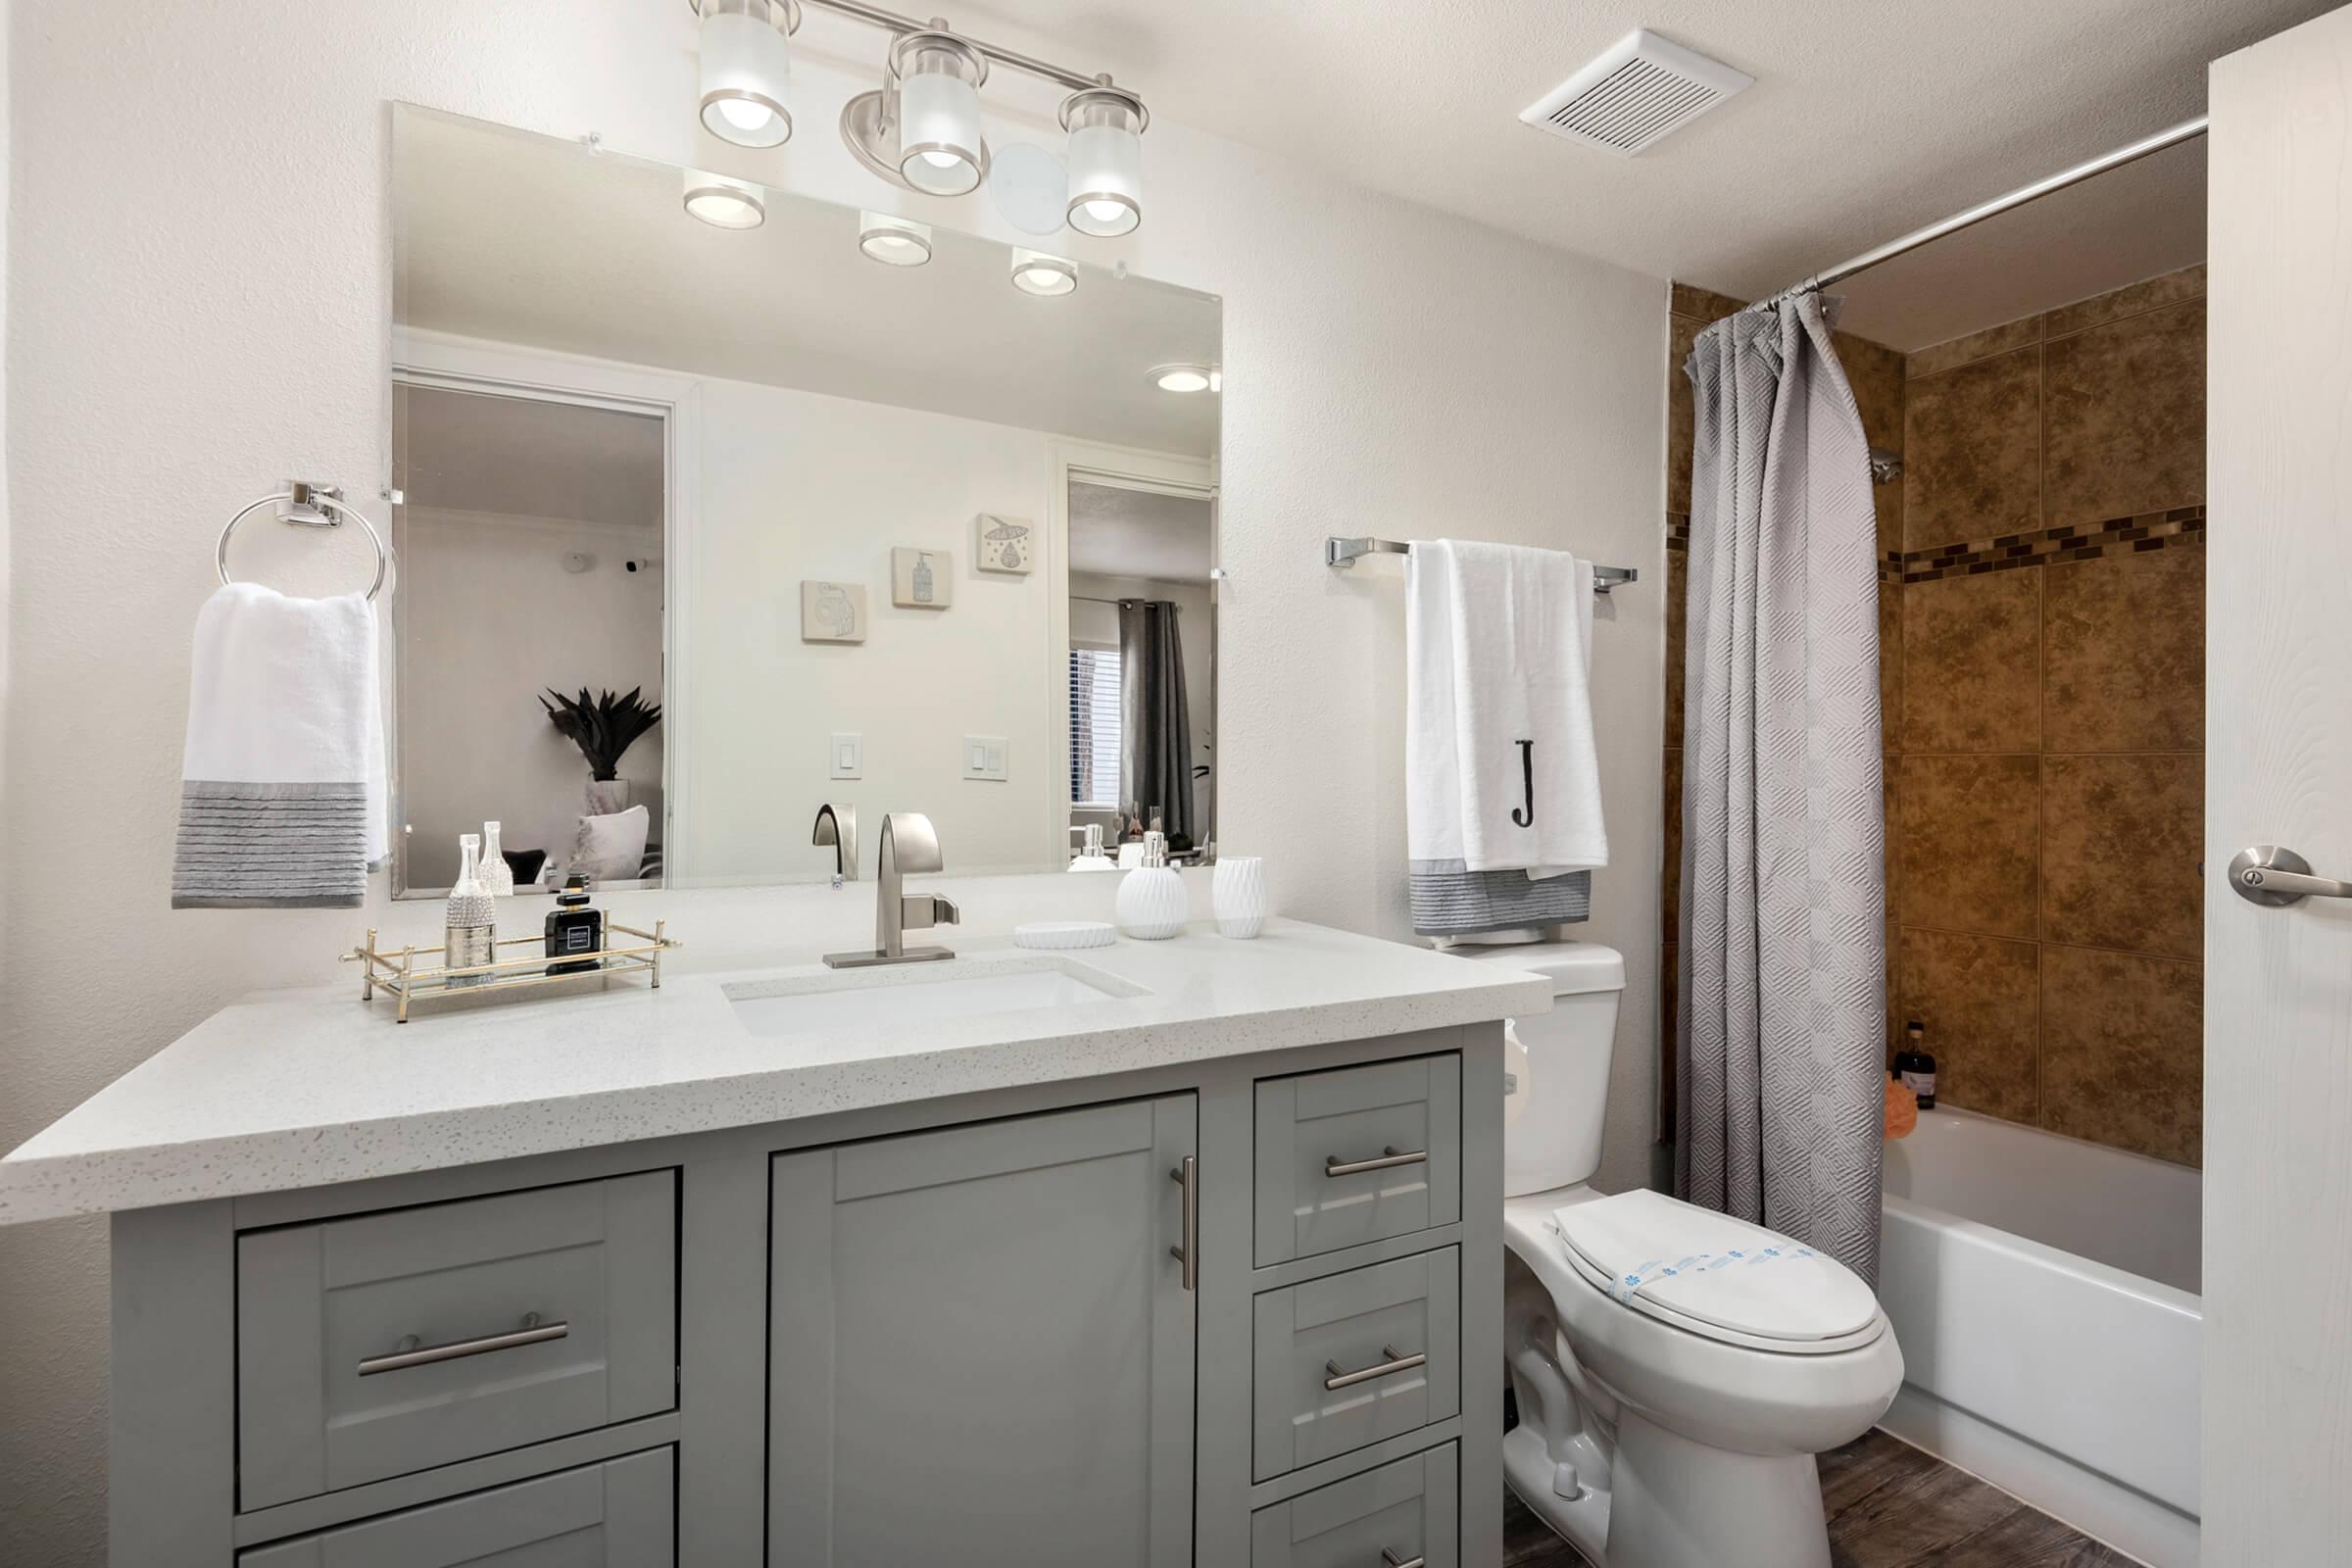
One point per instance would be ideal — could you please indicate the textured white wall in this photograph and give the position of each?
(200, 308)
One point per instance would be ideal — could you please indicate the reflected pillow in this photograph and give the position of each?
(610, 849)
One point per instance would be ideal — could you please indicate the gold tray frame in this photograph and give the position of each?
(397, 972)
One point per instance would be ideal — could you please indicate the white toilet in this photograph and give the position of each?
(1676, 1370)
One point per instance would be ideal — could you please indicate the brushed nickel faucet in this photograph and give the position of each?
(837, 829)
(908, 844)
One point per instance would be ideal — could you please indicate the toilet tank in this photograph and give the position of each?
(1558, 1062)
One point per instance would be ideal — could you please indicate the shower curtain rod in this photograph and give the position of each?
(2173, 137)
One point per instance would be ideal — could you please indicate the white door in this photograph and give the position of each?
(2277, 1427)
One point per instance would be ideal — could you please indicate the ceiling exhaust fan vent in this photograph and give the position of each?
(1638, 92)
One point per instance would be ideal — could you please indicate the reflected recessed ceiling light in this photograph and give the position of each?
(1185, 378)
(724, 203)
(1036, 272)
(1107, 158)
(745, 68)
(894, 241)
(938, 77)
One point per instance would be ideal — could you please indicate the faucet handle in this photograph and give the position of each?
(910, 844)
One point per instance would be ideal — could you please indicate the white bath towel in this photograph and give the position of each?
(1500, 766)
(282, 779)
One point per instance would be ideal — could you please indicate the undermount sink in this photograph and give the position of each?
(919, 993)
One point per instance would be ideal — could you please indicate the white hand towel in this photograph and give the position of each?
(1499, 755)
(282, 779)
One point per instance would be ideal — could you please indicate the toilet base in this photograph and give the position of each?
(1581, 1520)
(1674, 1503)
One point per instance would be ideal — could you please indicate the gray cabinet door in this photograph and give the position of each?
(1357, 1155)
(1400, 1513)
(613, 1516)
(1343, 1329)
(980, 1347)
(321, 1308)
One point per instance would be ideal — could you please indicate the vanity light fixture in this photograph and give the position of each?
(1047, 276)
(939, 149)
(894, 241)
(724, 203)
(1185, 378)
(745, 68)
(1107, 158)
(920, 129)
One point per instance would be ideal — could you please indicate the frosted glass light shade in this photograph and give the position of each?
(894, 241)
(745, 71)
(940, 150)
(724, 203)
(1047, 276)
(1106, 160)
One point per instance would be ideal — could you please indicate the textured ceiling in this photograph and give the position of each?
(1868, 119)
(1117, 532)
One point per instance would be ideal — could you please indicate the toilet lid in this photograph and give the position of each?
(1713, 1274)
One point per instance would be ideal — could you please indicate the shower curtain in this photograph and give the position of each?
(1156, 726)
(1782, 1030)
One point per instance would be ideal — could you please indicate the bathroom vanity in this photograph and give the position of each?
(1156, 1254)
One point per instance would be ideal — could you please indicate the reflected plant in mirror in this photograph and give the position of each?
(622, 451)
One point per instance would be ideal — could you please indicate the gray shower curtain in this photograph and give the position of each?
(1781, 1030)
(1156, 726)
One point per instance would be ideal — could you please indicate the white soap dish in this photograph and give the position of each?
(1064, 935)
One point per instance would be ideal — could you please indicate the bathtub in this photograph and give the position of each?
(2045, 1295)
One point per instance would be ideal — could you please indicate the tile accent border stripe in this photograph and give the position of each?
(2083, 541)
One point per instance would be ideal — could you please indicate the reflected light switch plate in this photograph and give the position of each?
(847, 756)
(984, 756)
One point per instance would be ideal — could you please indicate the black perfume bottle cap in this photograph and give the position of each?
(575, 889)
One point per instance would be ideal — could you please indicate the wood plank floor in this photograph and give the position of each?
(1890, 1506)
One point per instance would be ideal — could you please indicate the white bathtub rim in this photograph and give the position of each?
(2115, 1514)
(2153, 1293)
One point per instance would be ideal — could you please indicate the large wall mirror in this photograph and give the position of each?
(703, 526)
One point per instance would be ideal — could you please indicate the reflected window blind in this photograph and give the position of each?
(1095, 727)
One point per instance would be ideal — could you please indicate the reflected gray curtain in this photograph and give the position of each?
(1156, 727)
(1782, 1029)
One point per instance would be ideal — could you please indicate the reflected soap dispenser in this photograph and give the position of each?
(1152, 904)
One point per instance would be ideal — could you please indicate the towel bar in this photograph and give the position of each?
(1339, 551)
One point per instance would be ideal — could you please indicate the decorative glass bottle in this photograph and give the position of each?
(1152, 902)
(497, 875)
(470, 927)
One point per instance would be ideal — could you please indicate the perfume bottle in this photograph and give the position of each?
(922, 579)
(573, 927)
(497, 875)
(469, 925)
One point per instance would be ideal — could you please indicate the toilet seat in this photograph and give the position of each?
(1716, 1277)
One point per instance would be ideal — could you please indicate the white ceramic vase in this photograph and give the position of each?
(1239, 895)
(1152, 902)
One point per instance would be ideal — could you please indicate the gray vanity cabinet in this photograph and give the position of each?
(980, 1344)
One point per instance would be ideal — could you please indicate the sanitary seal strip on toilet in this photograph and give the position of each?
(1709, 1272)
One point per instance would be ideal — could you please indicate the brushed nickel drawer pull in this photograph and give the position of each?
(1398, 1362)
(1188, 1177)
(1395, 1561)
(1389, 1159)
(411, 1353)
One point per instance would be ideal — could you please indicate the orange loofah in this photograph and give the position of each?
(1902, 1110)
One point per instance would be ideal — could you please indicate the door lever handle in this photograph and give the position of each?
(2276, 878)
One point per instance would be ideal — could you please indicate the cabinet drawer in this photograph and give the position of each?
(620, 1514)
(329, 1394)
(1400, 1513)
(1357, 1155)
(1344, 1330)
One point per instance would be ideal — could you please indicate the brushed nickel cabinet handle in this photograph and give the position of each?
(1389, 1159)
(411, 1353)
(1398, 1362)
(1395, 1561)
(1188, 1176)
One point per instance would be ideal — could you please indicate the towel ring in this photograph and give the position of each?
(308, 495)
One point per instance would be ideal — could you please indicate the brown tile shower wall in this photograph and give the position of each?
(1876, 375)
(2049, 768)
(2042, 627)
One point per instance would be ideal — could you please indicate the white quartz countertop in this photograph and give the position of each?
(305, 1088)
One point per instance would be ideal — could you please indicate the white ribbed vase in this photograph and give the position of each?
(1239, 894)
(1152, 902)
